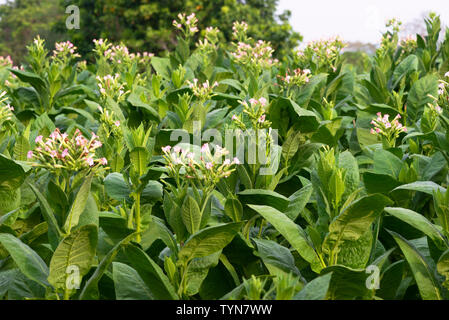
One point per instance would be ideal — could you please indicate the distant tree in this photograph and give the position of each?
(145, 25)
(22, 20)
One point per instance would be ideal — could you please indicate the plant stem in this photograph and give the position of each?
(138, 236)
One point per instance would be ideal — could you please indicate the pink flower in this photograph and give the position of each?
(447, 75)
(253, 101)
(104, 161)
(30, 154)
(236, 161)
(65, 153)
(90, 161)
(177, 149)
(53, 153)
(166, 149)
(38, 139)
(117, 123)
(205, 148)
(372, 131)
(262, 119)
(263, 101)
(97, 144)
(234, 117)
(227, 162)
(209, 165)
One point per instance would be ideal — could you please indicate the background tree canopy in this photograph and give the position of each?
(141, 25)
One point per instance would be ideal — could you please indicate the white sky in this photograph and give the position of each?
(356, 20)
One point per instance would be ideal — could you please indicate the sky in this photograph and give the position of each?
(356, 20)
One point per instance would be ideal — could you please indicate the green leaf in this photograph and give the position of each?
(191, 215)
(128, 284)
(298, 201)
(419, 222)
(208, 241)
(418, 96)
(387, 163)
(26, 259)
(315, 289)
(428, 187)
(427, 284)
(12, 174)
(278, 259)
(233, 209)
(116, 187)
(90, 289)
(293, 233)
(156, 281)
(76, 250)
(264, 197)
(353, 222)
(443, 267)
(197, 271)
(79, 204)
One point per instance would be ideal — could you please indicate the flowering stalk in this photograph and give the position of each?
(186, 24)
(386, 130)
(64, 155)
(321, 55)
(6, 114)
(203, 91)
(199, 171)
(296, 79)
(110, 86)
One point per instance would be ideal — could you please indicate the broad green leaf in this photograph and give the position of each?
(26, 259)
(128, 284)
(264, 197)
(298, 201)
(233, 209)
(387, 163)
(55, 232)
(293, 233)
(315, 289)
(443, 267)
(353, 222)
(116, 187)
(208, 241)
(191, 215)
(427, 284)
(418, 95)
(428, 187)
(278, 259)
(75, 251)
(79, 204)
(419, 222)
(197, 271)
(156, 281)
(12, 174)
(90, 289)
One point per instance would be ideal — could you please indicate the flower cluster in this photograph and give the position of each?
(239, 30)
(409, 44)
(255, 110)
(207, 167)
(187, 24)
(390, 130)
(324, 54)
(203, 91)
(61, 152)
(6, 61)
(110, 86)
(64, 51)
(298, 78)
(257, 56)
(209, 44)
(109, 123)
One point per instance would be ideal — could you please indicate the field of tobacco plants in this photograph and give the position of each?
(220, 172)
